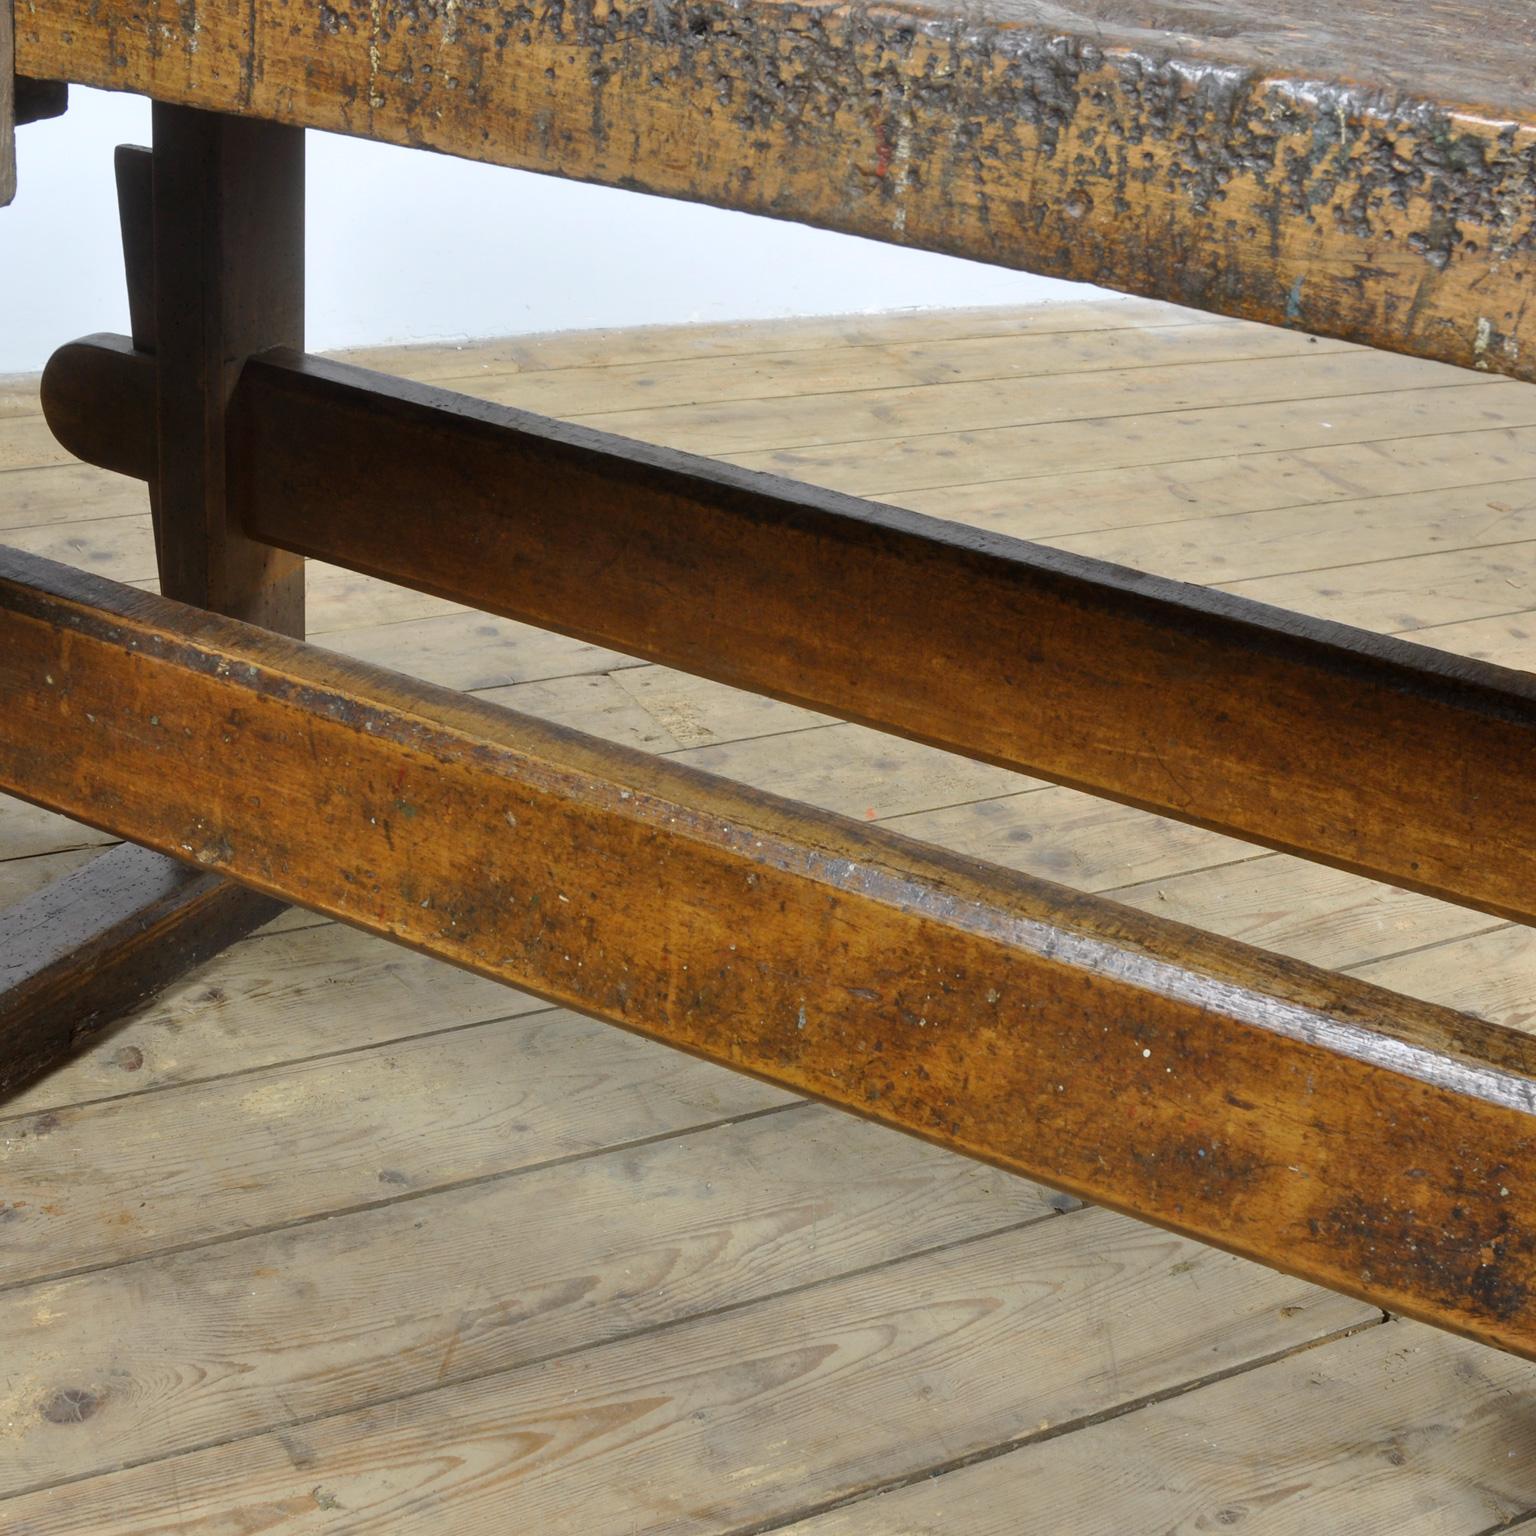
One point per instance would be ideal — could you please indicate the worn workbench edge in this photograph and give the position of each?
(1352, 211)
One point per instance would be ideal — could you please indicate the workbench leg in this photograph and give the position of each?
(213, 238)
(101, 941)
(229, 281)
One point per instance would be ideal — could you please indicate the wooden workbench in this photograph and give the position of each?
(1368, 174)
(1361, 170)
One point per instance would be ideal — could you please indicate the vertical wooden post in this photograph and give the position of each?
(229, 281)
(213, 244)
(134, 169)
(7, 105)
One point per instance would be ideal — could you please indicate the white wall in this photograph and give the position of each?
(405, 246)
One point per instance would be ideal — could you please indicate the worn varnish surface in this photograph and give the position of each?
(213, 250)
(337, 1140)
(1473, 53)
(1161, 694)
(1321, 1126)
(1367, 171)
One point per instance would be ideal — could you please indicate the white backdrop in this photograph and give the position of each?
(411, 247)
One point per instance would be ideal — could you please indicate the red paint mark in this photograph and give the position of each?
(869, 813)
(885, 152)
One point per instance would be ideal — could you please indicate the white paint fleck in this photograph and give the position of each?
(1482, 341)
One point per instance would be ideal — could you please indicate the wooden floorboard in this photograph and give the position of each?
(896, 466)
(1402, 1431)
(900, 371)
(798, 423)
(332, 1238)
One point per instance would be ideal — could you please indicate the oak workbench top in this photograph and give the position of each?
(1474, 54)
(1366, 171)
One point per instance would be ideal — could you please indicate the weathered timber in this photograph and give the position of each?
(7, 107)
(100, 941)
(215, 266)
(228, 243)
(1364, 1140)
(1366, 171)
(1373, 754)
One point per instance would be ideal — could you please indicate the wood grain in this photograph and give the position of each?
(304, 994)
(722, 428)
(284, 1043)
(609, 1245)
(1083, 501)
(1403, 596)
(21, 878)
(27, 830)
(301, 994)
(1309, 1120)
(202, 1344)
(879, 468)
(834, 604)
(866, 1377)
(213, 249)
(920, 367)
(1218, 551)
(228, 239)
(173, 1338)
(100, 1188)
(1355, 1434)
(1371, 180)
(604, 347)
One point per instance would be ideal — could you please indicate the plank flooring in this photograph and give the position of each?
(334, 1239)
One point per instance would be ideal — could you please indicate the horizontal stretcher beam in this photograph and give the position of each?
(1366, 752)
(1360, 1139)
